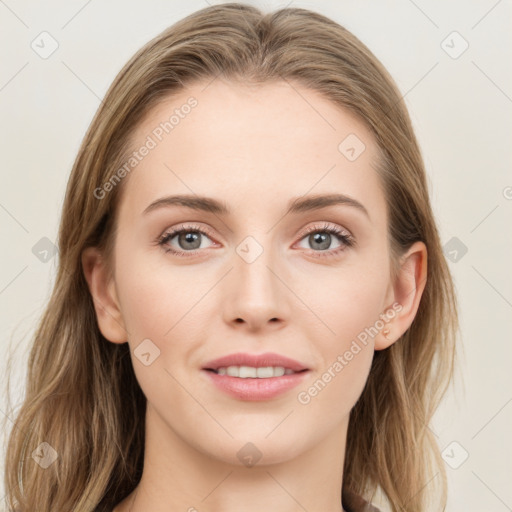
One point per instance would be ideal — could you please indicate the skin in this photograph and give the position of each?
(255, 148)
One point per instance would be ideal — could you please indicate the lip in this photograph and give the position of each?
(255, 389)
(251, 389)
(256, 361)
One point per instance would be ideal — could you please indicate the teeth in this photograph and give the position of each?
(245, 372)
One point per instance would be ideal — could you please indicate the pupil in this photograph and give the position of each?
(324, 239)
(190, 238)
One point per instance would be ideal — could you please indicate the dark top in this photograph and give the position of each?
(353, 503)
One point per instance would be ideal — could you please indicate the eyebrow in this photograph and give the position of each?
(297, 205)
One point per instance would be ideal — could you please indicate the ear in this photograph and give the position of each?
(404, 295)
(103, 292)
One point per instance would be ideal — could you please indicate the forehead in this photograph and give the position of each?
(247, 144)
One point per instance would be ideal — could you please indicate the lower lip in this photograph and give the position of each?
(256, 389)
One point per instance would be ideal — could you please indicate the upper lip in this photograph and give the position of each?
(255, 361)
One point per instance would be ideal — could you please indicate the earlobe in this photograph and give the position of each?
(102, 289)
(405, 296)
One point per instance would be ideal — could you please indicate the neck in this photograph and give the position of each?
(177, 476)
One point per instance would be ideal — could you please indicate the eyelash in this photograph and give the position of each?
(346, 239)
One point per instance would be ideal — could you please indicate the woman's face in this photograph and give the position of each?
(256, 278)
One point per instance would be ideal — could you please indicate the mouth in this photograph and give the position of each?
(242, 385)
(252, 372)
(255, 377)
(246, 365)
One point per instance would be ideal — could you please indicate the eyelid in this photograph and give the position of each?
(189, 227)
(346, 239)
(326, 227)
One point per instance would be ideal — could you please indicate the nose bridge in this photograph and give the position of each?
(257, 295)
(252, 267)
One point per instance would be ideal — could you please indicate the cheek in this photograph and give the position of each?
(346, 301)
(350, 306)
(328, 397)
(155, 299)
(165, 306)
(335, 389)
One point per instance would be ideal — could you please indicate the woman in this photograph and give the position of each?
(242, 317)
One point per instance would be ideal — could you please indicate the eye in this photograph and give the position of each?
(188, 239)
(321, 238)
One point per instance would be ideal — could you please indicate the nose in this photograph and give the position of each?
(256, 297)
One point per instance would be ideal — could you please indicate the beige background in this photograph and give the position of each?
(462, 111)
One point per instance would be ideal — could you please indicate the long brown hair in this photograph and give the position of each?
(82, 397)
